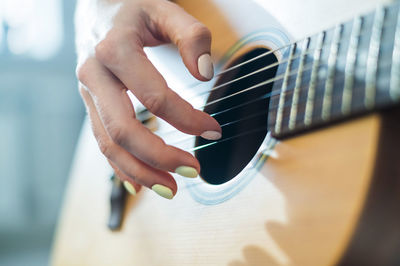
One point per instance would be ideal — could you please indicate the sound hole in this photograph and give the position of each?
(243, 117)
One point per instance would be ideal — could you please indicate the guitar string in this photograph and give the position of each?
(222, 72)
(239, 92)
(222, 126)
(191, 137)
(253, 59)
(269, 81)
(268, 53)
(282, 76)
(246, 62)
(200, 147)
(263, 97)
(242, 77)
(270, 123)
(279, 63)
(204, 146)
(259, 70)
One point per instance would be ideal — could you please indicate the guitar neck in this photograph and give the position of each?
(348, 70)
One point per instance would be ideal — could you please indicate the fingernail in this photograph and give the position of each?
(128, 186)
(163, 191)
(186, 171)
(211, 135)
(205, 66)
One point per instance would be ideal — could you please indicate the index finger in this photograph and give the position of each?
(124, 56)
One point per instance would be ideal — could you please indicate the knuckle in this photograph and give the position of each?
(105, 51)
(118, 172)
(82, 72)
(134, 173)
(198, 31)
(155, 102)
(112, 49)
(126, 174)
(159, 158)
(106, 148)
(121, 175)
(117, 134)
(154, 162)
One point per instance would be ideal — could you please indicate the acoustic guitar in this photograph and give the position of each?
(307, 171)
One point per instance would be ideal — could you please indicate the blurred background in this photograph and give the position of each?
(40, 119)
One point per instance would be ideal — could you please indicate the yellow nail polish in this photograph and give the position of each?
(128, 186)
(163, 191)
(186, 171)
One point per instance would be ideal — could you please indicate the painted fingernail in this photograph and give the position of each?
(128, 186)
(205, 66)
(211, 135)
(186, 171)
(163, 191)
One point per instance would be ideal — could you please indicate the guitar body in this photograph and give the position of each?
(326, 197)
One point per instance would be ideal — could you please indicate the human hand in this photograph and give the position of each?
(110, 39)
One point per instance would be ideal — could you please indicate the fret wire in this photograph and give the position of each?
(252, 73)
(272, 94)
(332, 60)
(248, 89)
(278, 124)
(276, 93)
(264, 68)
(318, 100)
(296, 93)
(252, 59)
(314, 79)
(350, 65)
(269, 81)
(373, 56)
(349, 75)
(395, 71)
(240, 78)
(271, 123)
(299, 119)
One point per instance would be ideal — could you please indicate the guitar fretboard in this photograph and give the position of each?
(348, 70)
